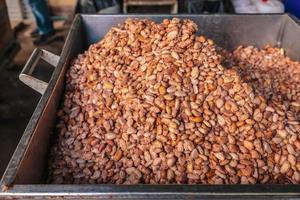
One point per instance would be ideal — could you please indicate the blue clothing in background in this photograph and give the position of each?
(42, 16)
(292, 6)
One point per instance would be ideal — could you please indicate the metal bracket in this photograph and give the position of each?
(25, 75)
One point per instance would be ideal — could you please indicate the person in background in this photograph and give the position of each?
(45, 31)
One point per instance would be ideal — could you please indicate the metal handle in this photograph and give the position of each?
(25, 75)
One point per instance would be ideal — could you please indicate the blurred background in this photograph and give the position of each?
(27, 24)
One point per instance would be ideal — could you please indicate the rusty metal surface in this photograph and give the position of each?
(26, 74)
(28, 165)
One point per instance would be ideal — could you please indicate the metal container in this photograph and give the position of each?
(25, 176)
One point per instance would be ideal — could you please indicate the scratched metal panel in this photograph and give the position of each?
(290, 38)
(229, 31)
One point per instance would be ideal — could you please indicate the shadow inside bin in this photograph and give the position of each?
(248, 72)
(276, 84)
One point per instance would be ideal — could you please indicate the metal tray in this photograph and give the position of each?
(25, 176)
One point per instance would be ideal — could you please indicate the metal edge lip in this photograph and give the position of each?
(145, 194)
(101, 189)
(293, 18)
(179, 15)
